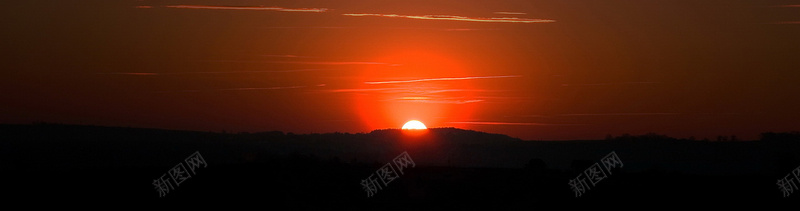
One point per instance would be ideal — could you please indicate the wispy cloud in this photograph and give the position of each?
(512, 123)
(337, 63)
(403, 90)
(306, 27)
(510, 13)
(786, 22)
(144, 7)
(414, 98)
(136, 74)
(208, 72)
(362, 90)
(466, 29)
(606, 84)
(435, 100)
(281, 9)
(240, 89)
(598, 114)
(285, 56)
(442, 79)
(262, 88)
(304, 62)
(621, 114)
(445, 29)
(435, 91)
(454, 18)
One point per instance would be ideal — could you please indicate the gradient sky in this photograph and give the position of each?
(536, 69)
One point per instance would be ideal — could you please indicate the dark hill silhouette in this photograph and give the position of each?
(455, 168)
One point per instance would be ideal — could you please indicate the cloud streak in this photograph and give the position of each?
(511, 123)
(442, 79)
(465, 30)
(400, 90)
(453, 18)
(511, 13)
(338, 63)
(208, 72)
(280, 9)
(606, 84)
(314, 63)
(241, 89)
(362, 90)
(262, 88)
(436, 100)
(136, 74)
(621, 114)
(787, 22)
(285, 56)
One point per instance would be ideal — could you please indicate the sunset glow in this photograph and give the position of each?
(414, 125)
(530, 69)
(401, 104)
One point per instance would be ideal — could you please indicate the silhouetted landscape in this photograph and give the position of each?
(455, 168)
(399, 104)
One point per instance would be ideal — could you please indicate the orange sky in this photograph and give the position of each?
(539, 70)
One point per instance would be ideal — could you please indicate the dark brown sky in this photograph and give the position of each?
(547, 69)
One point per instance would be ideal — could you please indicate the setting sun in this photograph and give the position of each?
(414, 125)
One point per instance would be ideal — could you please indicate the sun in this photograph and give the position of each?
(414, 125)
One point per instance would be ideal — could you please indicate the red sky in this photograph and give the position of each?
(538, 70)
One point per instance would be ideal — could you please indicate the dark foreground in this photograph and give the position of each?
(82, 165)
